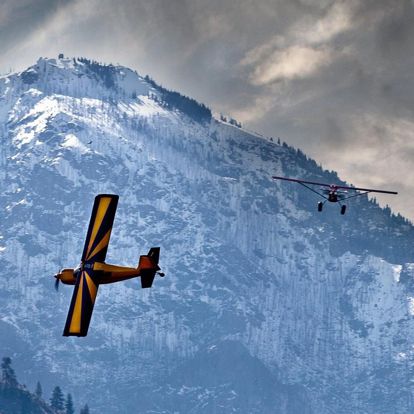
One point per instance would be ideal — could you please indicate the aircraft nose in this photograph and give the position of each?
(58, 275)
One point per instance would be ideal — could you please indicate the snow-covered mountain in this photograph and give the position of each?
(267, 306)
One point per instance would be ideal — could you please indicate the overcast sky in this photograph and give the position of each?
(334, 78)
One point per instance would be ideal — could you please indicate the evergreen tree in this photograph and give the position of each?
(8, 375)
(85, 410)
(57, 399)
(69, 405)
(38, 391)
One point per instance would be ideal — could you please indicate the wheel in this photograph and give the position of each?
(320, 206)
(343, 209)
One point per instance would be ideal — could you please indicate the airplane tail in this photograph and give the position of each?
(148, 266)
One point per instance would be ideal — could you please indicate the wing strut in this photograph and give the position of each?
(311, 189)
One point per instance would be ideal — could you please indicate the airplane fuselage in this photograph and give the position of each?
(105, 273)
(333, 196)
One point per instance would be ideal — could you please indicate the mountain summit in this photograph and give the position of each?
(267, 305)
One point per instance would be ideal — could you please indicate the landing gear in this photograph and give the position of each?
(320, 207)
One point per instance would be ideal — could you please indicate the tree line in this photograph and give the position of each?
(58, 402)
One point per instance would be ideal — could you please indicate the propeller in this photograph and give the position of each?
(57, 282)
(56, 276)
(160, 274)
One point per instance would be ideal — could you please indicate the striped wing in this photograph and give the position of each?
(81, 306)
(100, 227)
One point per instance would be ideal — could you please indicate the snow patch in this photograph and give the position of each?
(22, 202)
(410, 305)
(397, 272)
(71, 141)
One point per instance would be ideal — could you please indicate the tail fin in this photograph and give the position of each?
(154, 254)
(149, 266)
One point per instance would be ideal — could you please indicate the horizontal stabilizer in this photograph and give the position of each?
(149, 266)
(147, 277)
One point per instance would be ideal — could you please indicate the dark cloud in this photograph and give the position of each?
(19, 18)
(333, 77)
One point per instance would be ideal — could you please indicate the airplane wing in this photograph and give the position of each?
(100, 227)
(96, 246)
(81, 306)
(368, 190)
(295, 180)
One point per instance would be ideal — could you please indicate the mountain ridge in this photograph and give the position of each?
(322, 303)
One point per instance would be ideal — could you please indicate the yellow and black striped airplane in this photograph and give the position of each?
(93, 270)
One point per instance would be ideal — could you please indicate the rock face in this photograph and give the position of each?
(267, 305)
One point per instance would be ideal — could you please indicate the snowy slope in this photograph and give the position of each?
(267, 306)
